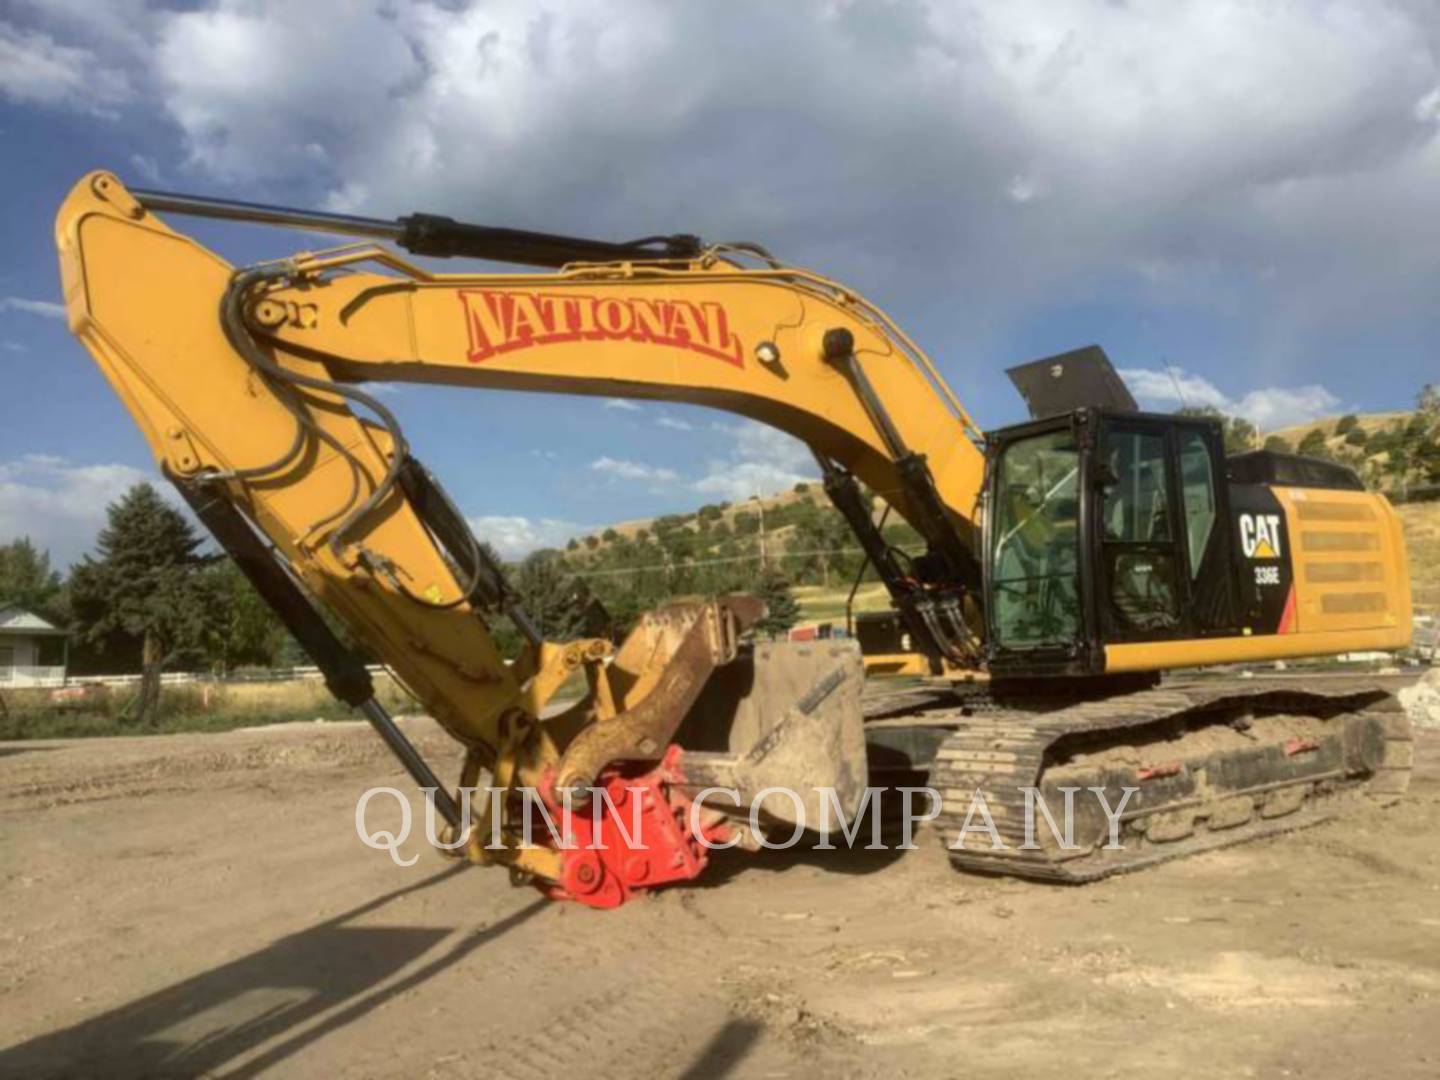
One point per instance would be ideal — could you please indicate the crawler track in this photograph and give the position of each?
(1214, 764)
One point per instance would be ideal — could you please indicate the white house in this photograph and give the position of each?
(32, 652)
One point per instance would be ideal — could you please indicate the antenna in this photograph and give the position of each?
(1179, 390)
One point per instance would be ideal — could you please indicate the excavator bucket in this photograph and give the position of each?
(782, 726)
(745, 716)
(687, 707)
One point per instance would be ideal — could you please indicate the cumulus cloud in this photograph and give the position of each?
(45, 308)
(59, 504)
(1269, 168)
(675, 424)
(738, 480)
(516, 536)
(634, 470)
(1270, 407)
(35, 69)
(1272, 161)
(1281, 156)
(761, 461)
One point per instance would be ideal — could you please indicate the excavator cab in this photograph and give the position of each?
(1105, 527)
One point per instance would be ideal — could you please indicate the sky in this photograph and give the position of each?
(1235, 198)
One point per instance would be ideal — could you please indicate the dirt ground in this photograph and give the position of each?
(187, 905)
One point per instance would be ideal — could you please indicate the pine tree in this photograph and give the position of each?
(145, 591)
(558, 603)
(782, 611)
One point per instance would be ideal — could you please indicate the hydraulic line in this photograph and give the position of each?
(233, 320)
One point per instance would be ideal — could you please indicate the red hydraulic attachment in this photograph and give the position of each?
(601, 868)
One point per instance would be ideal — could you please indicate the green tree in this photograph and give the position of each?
(556, 601)
(1279, 444)
(146, 591)
(782, 611)
(1428, 402)
(1424, 442)
(1240, 434)
(824, 537)
(28, 581)
(1356, 436)
(1398, 460)
(1314, 445)
(609, 536)
(1386, 440)
(1346, 424)
(244, 630)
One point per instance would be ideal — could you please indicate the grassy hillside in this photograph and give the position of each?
(1392, 451)
(819, 604)
(1422, 539)
(1370, 422)
(776, 507)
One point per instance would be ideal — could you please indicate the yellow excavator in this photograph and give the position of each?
(1070, 560)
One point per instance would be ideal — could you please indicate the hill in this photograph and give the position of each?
(1422, 542)
(1395, 452)
(778, 509)
(1368, 422)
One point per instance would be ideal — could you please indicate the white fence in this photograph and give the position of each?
(56, 677)
(31, 675)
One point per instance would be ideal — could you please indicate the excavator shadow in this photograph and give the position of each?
(725, 1050)
(248, 1015)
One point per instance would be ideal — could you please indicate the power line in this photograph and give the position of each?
(713, 562)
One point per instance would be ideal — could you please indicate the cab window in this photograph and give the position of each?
(1034, 542)
(1197, 481)
(1138, 550)
(1137, 494)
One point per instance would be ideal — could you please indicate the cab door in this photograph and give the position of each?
(1158, 531)
(1141, 569)
(1212, 604)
